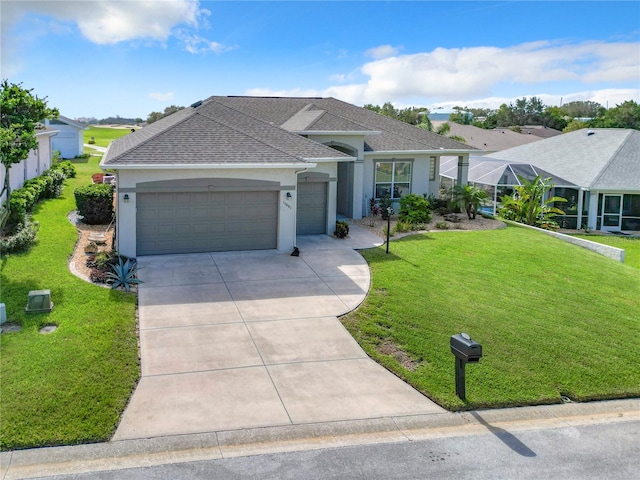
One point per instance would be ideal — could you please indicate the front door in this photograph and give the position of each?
(611, 212)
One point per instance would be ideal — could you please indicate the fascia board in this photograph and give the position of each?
(206, 166)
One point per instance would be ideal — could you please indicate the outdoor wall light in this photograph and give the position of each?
(126, 198)
(288, 195)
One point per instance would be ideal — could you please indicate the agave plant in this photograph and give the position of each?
(124, 274)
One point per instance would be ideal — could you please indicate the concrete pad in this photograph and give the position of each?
(202, 402)
(283, 299)
(303, 340)
(179, 275)
(196, 349)
(345, 390)
(340, 263)
(350, 290)
(178, 260)
(243, 266)
(161, 307)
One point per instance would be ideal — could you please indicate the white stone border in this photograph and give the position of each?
(605, 250)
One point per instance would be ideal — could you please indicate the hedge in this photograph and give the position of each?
(95, 203)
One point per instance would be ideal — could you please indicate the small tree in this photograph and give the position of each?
(528, 204)
(469, 198)
(20, 113)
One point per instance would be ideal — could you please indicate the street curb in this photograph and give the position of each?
(117, 455)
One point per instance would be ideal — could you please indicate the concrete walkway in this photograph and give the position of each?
(239, 340)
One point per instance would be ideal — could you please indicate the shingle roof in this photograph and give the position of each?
(600, 158)
(487, 140)
(213, 133)
(395, 135)
(259, 130)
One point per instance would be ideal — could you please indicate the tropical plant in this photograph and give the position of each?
(529, 204)
(469, 198)
(414, 209)
(386, 206)
(342, 229)
(124, 274)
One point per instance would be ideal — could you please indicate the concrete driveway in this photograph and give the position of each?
(237, 340)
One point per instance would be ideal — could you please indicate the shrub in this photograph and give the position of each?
(67, 168)
(414, 209)
(124, 274)
(95, 203)
(385, 204)
(442, 226)
(402, 226)
(342, 229)
(22, 240)
(55, 181)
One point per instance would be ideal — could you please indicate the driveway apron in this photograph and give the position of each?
(236, 340)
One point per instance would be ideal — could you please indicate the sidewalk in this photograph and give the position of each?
(117, 455)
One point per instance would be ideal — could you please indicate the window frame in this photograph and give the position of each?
(393, 181)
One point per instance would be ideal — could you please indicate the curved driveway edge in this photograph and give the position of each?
(238, 340)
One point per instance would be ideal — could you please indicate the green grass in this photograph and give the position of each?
(553, 319)
(69, 386)
(104, 135)
(630, 245)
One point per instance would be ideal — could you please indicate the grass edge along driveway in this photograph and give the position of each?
(69, 386)
(553, 319)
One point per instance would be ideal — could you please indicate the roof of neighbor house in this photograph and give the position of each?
(540, 131)
(265, 130)
(66, 121)
(487, 140)
(597, 159)
(492, 171)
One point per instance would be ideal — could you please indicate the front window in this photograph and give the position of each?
(393, 179)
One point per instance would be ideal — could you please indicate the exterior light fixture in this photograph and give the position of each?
(288, 195)
(126, 198)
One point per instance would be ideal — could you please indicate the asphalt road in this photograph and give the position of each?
(601, 451)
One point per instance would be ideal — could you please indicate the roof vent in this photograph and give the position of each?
(590, 132)
(197, 104)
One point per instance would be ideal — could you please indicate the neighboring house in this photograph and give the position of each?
(598, 171)
(70, 139)
(486, 140)
(443, 114)
(243, 173)
(539, 131)
(37, 162)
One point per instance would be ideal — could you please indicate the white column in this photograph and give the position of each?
(463, 169)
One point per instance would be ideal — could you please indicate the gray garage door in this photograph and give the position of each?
(206, 222)
(311, 216)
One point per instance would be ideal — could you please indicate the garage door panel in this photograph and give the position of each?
(311, 215)
(189, 222)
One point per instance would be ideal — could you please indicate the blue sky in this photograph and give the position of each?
(129, 58)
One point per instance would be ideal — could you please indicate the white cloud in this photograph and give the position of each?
(462, 74)
(112, 21)
(196, 44)
(163, 97)
(382, 51)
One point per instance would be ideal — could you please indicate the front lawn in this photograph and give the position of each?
(630, 245)
(553, 319)
(69, 386)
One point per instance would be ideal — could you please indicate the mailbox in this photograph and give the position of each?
(465, 349)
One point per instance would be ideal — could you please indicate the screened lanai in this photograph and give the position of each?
(499, 177)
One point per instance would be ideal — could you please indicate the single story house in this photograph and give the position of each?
(37, 162)
(596, 170)
(243, 173)
(70, 140)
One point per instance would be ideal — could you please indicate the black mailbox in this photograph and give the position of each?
(465, 349)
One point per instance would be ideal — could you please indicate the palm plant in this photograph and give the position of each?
(469, 198)
(529, 204)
